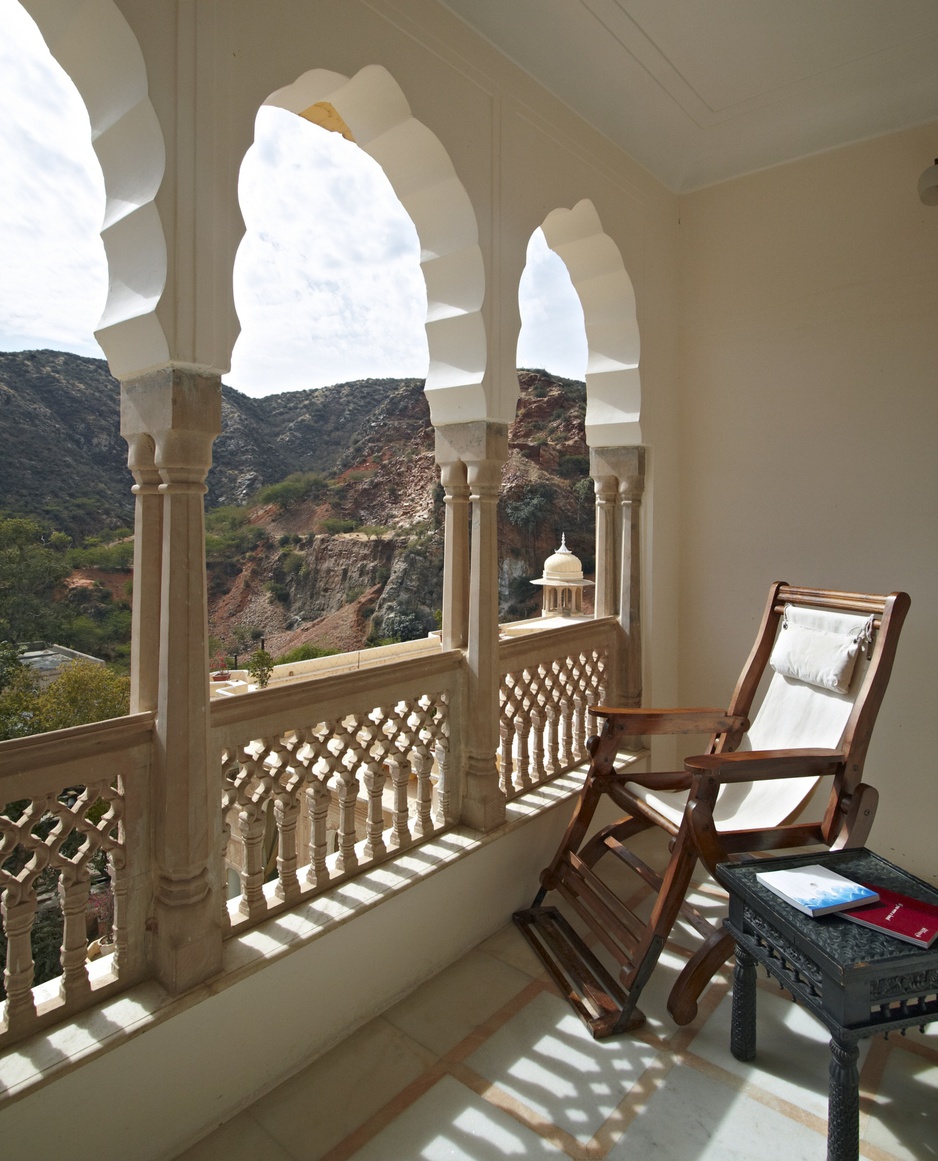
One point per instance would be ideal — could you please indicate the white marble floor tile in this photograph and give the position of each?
(509, 944)
(240, 1139)
(443, 1011)
(792, 1050)
(545, 1058)
(694, 1118)
(451, 1123)
(905, 1118)
(320, 1106)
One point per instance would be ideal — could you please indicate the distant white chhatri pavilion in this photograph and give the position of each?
(563, 583)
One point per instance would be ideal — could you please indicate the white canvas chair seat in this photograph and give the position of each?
(823, 658)
(794, 714)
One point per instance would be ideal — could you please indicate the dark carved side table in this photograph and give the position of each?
(856, 981)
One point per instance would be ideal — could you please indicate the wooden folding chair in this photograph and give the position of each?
(830, 655)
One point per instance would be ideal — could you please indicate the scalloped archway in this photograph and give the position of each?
(613, 386)
(97, 49)
(371, 110)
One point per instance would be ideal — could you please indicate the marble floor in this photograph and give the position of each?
(485, 1061)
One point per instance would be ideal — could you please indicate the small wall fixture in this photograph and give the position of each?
(928, 185)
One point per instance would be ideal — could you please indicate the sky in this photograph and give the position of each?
(327, 280)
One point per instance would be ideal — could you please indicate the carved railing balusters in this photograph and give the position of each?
(400, 776)
(543, 721)
(322, 788)
(50, 845)
(317, 805)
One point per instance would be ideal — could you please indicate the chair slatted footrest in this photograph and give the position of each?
(639, 866)
(596, 997)
(605, 914)
(690, 913)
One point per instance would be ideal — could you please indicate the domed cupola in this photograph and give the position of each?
(563, 583)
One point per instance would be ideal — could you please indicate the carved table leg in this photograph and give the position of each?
(843, 1103)
(743, 1027)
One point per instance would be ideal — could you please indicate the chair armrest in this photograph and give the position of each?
(659, 780)
(670, 721)
(758, 765)
(656, 780)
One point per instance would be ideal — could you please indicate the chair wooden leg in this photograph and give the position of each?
(859, 820)
(698, 972)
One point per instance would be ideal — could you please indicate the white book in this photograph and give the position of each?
(816, 890)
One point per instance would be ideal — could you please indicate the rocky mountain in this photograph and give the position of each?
(324, 510)
(359, 557)
(64, 460)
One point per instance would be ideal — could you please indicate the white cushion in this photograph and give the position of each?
(821, 656)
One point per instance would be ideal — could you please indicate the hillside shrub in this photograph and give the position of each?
(290, 563)
(278, 591)
(296, 488)
(115, 557)
(304, 653)
(574, 467)
(531, 508)
(335, 525)
(229, 535)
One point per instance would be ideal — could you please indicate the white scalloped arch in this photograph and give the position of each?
(95, 46)
(613, 386)
(375, 111)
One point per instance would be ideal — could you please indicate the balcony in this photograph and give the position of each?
(354, 780)
(372, 1000)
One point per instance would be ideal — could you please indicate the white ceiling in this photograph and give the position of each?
(699, 91)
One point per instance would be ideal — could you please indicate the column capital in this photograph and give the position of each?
(473, 442)
(626, 464)
(141, 453)
(453, 478)
(606, 489)
(485, 478)
(179, 408)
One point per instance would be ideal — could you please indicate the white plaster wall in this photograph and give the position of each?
(808, 427)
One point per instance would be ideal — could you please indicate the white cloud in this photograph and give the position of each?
(54, 279)
(553, 334)
(327, 279)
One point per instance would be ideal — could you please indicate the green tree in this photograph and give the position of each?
(33, 564)
(19, 690)
(83, 692)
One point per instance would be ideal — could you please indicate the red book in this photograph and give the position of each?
(898, 915)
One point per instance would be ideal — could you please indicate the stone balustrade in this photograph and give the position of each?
(75, 805)
(548, 681)
(329, 776)
(317, 781)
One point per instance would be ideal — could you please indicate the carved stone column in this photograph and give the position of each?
(455, 556)
(621, 470)
(631, 489)
(606, 593)
(483, 448)
(148, 551)
(180, 409)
